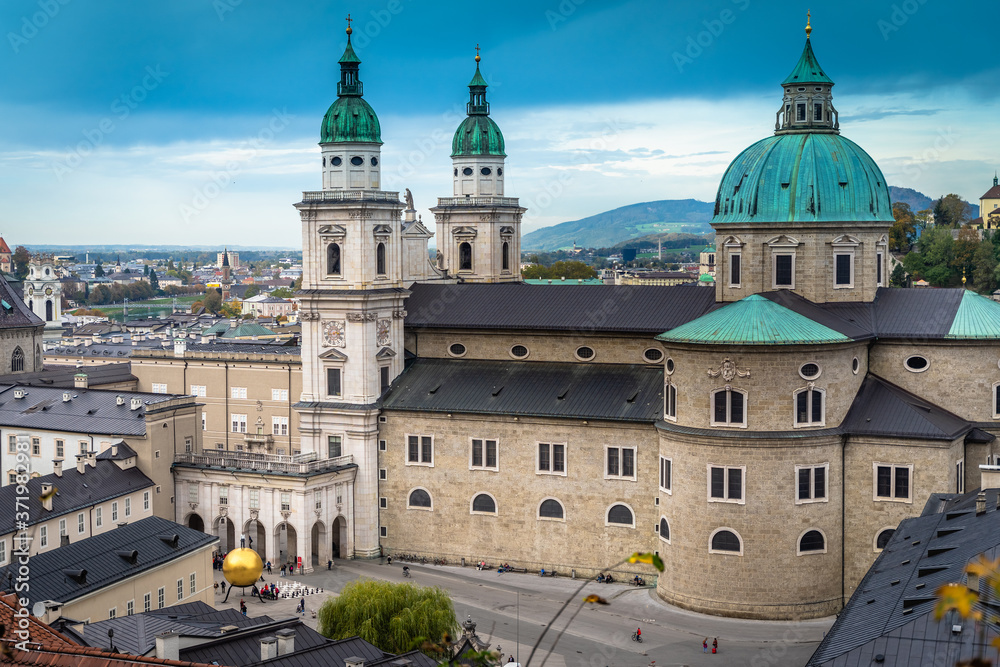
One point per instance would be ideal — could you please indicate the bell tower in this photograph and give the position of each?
(352, 303)
(479, 229)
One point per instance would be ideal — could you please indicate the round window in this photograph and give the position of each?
(499, 171)
(809, 371)
(456, 350)
(519, 352)
(467, 171)
(652, 354)
(670, 366)
(584, 352)
(855, 365)
(336, 162)
(916, 363)
(357, 161)
(374, 161)
(485, 171)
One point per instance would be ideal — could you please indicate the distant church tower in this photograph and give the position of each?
(6, 257)
(43, 292)
(227, 282)
(478, 228)
(352, 303)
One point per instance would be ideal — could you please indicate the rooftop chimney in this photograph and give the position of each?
(92, 459)
(981, 503)
(286, 641)
(180, 347)
(57, 467)
(989, 477)
(135, 404)
(46, 496)
(67, 397)
(268, 648)
(81, 381)
(114, 449)
(354, 661)
(168, 645)
(81, 463)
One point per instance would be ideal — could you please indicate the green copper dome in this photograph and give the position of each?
(803, 177)
(350, 118)
(478, 134)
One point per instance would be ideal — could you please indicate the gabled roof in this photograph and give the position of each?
(4, 248)
(992, 193)
(89, 410)
(616, 392)
(63, 375)
(915, 313)
(118, 452)
(976, 317)
(14, 313)
(884, 409)
(247, 330)
(754, 320)
(851, 319)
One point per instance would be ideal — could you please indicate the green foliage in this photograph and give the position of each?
(213, 300)
(394, 617)
(933, 262)
(231, 309)
(568, 270)
(99, 270)
(898, 276)
(903, 231)
(951, 211)
(282, 293)
(105, 294)
(253, 290)
(20, 259)
(154, 280)
(984, 271)
(297, 284)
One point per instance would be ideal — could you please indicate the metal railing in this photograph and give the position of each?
(350, 195)
(300, 464)
(478, 201)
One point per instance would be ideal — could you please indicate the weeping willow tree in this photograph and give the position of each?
(394, 617)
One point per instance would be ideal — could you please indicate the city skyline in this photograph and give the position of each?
(199, 121)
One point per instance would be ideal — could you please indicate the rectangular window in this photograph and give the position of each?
(728, 408)
(192, 583)
(130, 607)
(279, 425)
(199, 390)
(811, 482)
(114, 512)
(254, 499)
(113, 612)
(83, 447)
(159, 388)
(844, 264)
(286, 501)
(809, 408)
(334, 446)
(223, 495)
(237, 392)
(666, 474)
(383, 531)
(238, 422)
(800, 112)
(62, 527)
(145, 501)
(161, 595)
(784, 266)
(735, 269)
(128, 507)
(726, 484)
(333, 382)
(878, 268)
(817, 111)
(484, 454)
(552, 458)
(36, 446)
(204, 421)
(620, 463)
(892, 482)
(318, 499)
(98, 517)
(960, 476)
(670, 401)
(383, 376)
(419, 450)
(12, 444)
(43, 536)
(80, 524)
(60, 449)
(147, 604)
(279, 395)
(180, 589)
(3, 551)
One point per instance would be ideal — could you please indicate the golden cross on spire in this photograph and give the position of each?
(349, 31)
(477, 53)
(809, 28)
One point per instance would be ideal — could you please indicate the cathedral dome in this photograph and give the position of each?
(803, 177)
(477, 135)
(350, 118)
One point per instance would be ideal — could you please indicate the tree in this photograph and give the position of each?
(394, 617)
(212, 300)
(933, 261)
(964, 251)
(21, 258)
(282, 293)
(903, 231)
(231, 309)
(145, 269)
(984, 267)
(99, 270)
(951, 211)
(252, 290)
(898, 276)
(154, 282)
(297, 284)
(571, 269)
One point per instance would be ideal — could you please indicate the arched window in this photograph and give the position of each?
(883, 538)
(809, 406)
(729, 407)
(419, 498)
(726, 541)
(380, 259)
(621, 515)
(465, 257)
(484, 504)
(17, 361)
(48, 311)
(812, 540)
(664, 529)
(333, 259)
(505, 256)
(550, 509)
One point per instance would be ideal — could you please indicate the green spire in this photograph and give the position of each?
(350, 84)
(807, 70)
(350, 118)
(477, 93)
(478, 134)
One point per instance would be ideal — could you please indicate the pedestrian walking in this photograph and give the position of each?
(269, 567)
(283, 572)
(715, 645)
(704, 645)
(222, 587)
(329, 564)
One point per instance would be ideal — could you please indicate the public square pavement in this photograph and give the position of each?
(511, 610)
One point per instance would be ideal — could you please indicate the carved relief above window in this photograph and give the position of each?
(728, 371)
(334, 333)
(382, 328)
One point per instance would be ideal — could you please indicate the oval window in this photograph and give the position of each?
(519, 351)
(670, 366)
(357, 161)
(336, 162)
(324, 162)
(456, 171)
(467, 171)
(584, 352)
(809, 371)
(652, 354)
(499, 171)
(855, 365)
(456, 350)
(485, 171)
(916, 363)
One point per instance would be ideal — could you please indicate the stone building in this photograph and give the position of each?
(20, 333)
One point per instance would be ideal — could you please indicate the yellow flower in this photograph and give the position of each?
(651, 559)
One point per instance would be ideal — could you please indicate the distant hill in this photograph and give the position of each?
(621, 224)
(918, 201)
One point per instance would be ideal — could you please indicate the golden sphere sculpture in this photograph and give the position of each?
(242, 567)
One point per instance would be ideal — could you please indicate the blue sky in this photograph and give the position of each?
(197, 121)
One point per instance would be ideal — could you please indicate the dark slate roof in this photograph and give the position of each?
(617, 392)
(246, 347)
(242, 647)
(48, 578)
(884, 409)
(584, 308)
(842, 320)
(136, 634)
(892, 611)
(915, 313)
(119, 452)
(90, 410)
(62, 376)
(75, 491)
(14, 312)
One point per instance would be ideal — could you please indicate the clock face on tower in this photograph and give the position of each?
(31, 290)
(333, 333)
(48, 291)
(382, 332)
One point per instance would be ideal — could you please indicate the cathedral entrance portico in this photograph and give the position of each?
(254, 529)
(339, 546)
(195, 522)
(317, 545)
(225, 530)
(286, 540)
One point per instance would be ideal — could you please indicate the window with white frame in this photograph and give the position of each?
(893, 482)
(279, 425)
(880, 267)
(130, 607)
(664, 529)
(12, 444)
(666, 474)
(334, 446)
(180, 589)
(147, 604)
(735, 268)
(224, 495)
(484, 503)
(238, 423)
(844, 248)
(333, 383)
(80, 524)
(204, 421)
(960, 476)
(483, 455)
(3, 551)
(318, 499)
(98, 517)
(62, 527)
(620, 514)
(419, 499)
(996, 400)
(729, 407)
(128, 507)
(60, 449)
(551, 458)
(725, 541)
(670, 401)
(286, 501)
(619, 462)
(36, 446)
(420, 450)
(237, 392)
(550, 508)
(84, 447)
(812, 542)
(145, 501)
(726, 484)
(193, 583)
(113, 612)
(809, 407)
(783, 275)
(43, 536)
(161, 595)
(254, 499)
(199, 390)
(279, 394)
(159, 387)
(811, 483)
(192, 492)
(114, 512)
